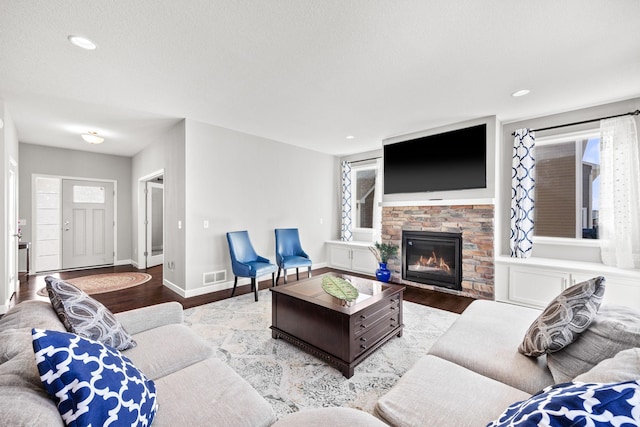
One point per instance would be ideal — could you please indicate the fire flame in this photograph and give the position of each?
(433, 261)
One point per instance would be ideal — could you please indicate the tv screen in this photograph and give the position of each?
(454, 160)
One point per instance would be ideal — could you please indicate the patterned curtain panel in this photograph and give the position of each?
(618, 222)
(346, 233)
(522, 193)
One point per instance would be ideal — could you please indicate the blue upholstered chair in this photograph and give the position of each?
(245, 262)
(289, 253)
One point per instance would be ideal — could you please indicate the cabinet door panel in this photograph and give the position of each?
(363, 261)
(535, 287)
(340, 257)
(617, 290)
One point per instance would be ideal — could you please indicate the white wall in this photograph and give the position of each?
(9, 144)
(40, 159)
(168, 155)
(237, 181)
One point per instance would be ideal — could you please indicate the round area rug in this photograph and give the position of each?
(107, 282)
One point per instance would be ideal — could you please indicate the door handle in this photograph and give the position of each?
(66, 226)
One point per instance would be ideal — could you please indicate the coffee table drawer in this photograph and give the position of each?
(375, 313)
(374, 333)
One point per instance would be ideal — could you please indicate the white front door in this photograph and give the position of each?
(87, 223)
(154, 231)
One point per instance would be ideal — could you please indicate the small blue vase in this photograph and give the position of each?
(383, 274)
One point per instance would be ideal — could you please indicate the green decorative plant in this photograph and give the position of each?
(339, 288)
(383, 251)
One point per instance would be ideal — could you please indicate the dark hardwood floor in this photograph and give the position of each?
(153, 292)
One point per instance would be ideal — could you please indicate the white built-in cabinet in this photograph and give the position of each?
(535, 282)
(352, 256)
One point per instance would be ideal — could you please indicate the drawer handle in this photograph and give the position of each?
(392, 308)
(363, 326)
(362, 316)
(364, 347)
(363, 339)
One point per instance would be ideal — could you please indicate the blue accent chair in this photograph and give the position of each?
(289, 253)
(245, 262)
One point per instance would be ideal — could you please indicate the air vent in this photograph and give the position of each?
(214, 277)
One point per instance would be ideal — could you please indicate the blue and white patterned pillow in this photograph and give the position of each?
(92, 383)
(577, 404)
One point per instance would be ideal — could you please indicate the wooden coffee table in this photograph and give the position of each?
(308, 317)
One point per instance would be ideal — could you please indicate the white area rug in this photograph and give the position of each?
(292, 380)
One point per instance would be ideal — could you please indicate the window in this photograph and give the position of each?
(88, 194)
(567, 186)
(364, 181)
(365, 209)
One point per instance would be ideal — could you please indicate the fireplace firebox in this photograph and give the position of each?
(432, 258)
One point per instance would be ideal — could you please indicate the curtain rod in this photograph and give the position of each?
(365, 160)
(630, 113)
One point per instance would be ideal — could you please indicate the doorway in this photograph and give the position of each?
(87, 223)
(73, 222)
(149, 249)
(154, 194)
(12, 230)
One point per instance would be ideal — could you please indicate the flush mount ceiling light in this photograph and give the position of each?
(350, 137)
(92, 138)
(82, 42)
(521, 92)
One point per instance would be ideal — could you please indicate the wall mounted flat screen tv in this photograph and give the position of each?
(455, 160)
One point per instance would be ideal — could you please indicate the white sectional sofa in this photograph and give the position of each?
(474, 372)
(193, 388)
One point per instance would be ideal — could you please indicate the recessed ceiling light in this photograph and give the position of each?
(521, 92)
(82, 42)
(351, 137)
(92, 138)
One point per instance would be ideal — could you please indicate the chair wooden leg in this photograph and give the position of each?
(235, 283)
(297, 274)
(278, 277)
(309, 271)
(254, 286)
(285, 275)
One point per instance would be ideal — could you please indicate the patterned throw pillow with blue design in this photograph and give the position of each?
(92, 383)
(577, 404)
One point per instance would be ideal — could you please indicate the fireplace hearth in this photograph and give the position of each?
(432, 258)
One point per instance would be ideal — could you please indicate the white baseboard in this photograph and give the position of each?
(218, 286)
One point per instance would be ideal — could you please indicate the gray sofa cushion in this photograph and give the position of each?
(17, 362)
(624, 366)
(31, 314)
(21, 406)
(485, 339)
(145, 318)
(24, 402)
(226, 398)
(614, 329)
(326, 417)
(568, 315)
(166, 349)
(436, 392)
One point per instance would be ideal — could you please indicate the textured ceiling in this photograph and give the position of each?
(304, 72)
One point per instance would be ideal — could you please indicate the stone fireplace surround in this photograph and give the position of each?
(475, 222)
